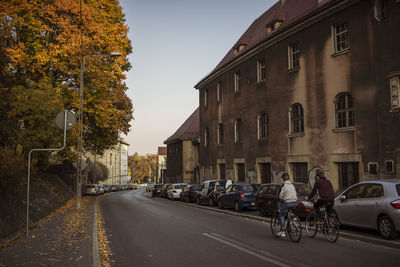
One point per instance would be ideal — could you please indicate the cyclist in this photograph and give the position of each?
(288, 198)
(326, 193)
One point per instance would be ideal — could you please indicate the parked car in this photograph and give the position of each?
(114, 188)
(189, 193)
(134, 187)
(149, 187)
(156, 190)
(210, 191)
(164, 190)
(237, 196)
(372, 205)
(92, 189)
(174, 191)
(267, 199)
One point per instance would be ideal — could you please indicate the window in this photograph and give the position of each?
(260, 71)
(356, 192)
(389, 166)
(348, 174)
(238, 131)
(222, 171)
(394, 92)
(293, 55)
(265, 172)
(341, 38)
(373, 168)
(205, 98)
(219, 91)
(241, 172)
(236, 77)
(297, 118)
(262, 124)
(206, 137)
(344, 111)
(374, 191)
(300, 173)
(220, 134)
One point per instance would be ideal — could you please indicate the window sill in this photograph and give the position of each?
(293, 135)
(261, 83)
(347, 129)
(394, 110)
(236, 93)
(294, 69)
(340, 53)
(264, 139)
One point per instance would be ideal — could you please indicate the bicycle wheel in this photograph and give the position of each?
(331, 228)
(311, 224)
(294, 228)
(275, 225)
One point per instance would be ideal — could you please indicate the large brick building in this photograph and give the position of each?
(310, 84)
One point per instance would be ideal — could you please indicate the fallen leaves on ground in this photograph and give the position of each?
(104, 248)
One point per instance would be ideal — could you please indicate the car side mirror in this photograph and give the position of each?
(342, 198)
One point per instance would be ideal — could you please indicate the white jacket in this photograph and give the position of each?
(288, 192)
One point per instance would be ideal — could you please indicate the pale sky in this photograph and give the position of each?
(175, 44)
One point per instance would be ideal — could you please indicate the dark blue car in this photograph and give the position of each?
(237, 196)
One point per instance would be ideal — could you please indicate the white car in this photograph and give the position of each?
(174, 192)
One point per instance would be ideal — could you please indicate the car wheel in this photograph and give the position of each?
(386, 227)
(237, 206)
(220, 204)
(211, 202)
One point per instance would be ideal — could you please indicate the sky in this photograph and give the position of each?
(175, 44)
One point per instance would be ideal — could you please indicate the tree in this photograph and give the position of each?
(143, 167)
(40, 54)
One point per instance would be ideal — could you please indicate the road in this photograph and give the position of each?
(157, 232)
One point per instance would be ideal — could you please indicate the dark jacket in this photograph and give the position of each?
(324, 188)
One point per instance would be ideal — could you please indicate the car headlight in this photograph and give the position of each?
(307, 204)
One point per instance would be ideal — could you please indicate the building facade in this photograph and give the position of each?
(161, 164)
(311, 84)
(182, 152)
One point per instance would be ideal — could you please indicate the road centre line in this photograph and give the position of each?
(262, 257)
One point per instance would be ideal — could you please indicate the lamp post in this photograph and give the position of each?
(80, 126)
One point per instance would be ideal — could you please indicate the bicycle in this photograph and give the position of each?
(293, 225)
(329, 226)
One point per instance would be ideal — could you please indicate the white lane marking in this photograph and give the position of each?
(276, 262)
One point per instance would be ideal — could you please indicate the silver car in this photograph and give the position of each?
(373, 205)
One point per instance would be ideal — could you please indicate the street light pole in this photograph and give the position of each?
(80, 128)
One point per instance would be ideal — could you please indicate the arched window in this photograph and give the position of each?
(297, 118)
(344, 110)
(220, 133)
(262, 125)
(238, 128)
(206, 137)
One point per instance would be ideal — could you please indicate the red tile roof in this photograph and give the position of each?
(162, 150)
(289, 13)
(188, 130)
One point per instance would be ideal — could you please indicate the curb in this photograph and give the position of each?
(95, 242)
(373, 240)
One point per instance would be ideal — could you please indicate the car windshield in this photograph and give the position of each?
(398, 189)
(179, 186)
(302, 189)
(195, 187)
(158, 186)
(247, 188)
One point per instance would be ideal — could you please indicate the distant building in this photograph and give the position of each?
(116, 161)
(310, 84)
(182, 152)
(162, 164)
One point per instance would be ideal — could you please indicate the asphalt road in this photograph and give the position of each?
(157, 232)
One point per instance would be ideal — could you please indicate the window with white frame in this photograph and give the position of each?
(236, 80)
(238, 129)
(220, 134)
(260, 71)
(297, 118)
(262, 125)
(395, 92)
(344, 110)
(219, 91)
(206, 137)
(205, 97)
(293, 56)
(341, 39)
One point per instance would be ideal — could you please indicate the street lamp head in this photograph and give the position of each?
(115, 54)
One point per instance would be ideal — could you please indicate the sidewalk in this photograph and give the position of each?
(64, 238)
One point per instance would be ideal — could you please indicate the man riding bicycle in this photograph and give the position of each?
(326, 193)
(288, 197)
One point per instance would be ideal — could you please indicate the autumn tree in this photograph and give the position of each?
(42, 44)
(142, 167)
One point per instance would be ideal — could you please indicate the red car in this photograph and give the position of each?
(267, 199)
